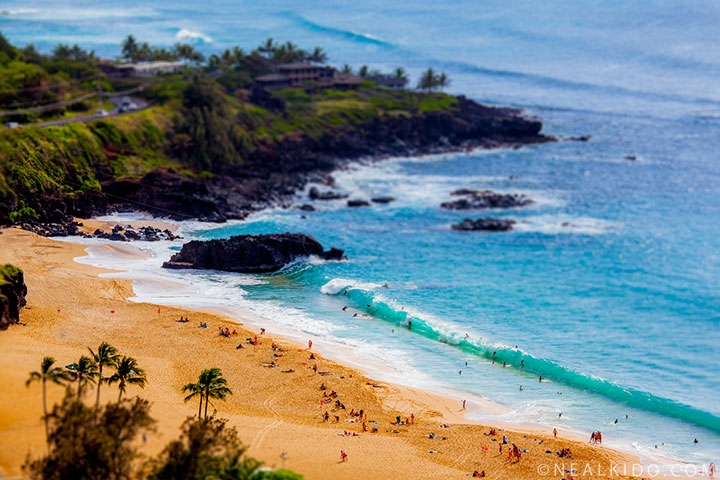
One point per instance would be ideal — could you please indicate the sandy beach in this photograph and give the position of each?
(70, 308)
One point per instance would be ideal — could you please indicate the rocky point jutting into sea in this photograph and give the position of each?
(271, 173)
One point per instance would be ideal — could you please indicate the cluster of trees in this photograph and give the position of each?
(135, 51)
(430, 81)
(89, 370)
(289, 52)
(366, 72)
(29, 78)
(94, 442)
(206, 131)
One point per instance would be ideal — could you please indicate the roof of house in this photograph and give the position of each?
(344, 78)
(272, 77)
(299, 66)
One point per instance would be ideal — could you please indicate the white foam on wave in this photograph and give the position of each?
(390, 177)
(185, 34)
(20, 11)
(566, 224)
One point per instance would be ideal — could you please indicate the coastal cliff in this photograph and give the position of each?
(12, 295)
(104, 166)
(274, 170)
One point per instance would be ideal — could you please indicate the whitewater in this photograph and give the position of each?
(608, 286)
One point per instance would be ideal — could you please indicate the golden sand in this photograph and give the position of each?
(70, 308)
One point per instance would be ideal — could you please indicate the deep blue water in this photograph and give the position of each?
(609, 283)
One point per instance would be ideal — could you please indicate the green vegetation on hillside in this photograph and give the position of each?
(201, 120)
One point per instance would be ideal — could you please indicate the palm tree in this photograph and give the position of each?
(194, 390)
(130, 48)
(401, 73)
(268, 47)
(211, 384)
(214, 386)
(347, 69)
(127, 372)
(317, 56)
(84, 371)
(106, 356)
(443, 81)
(47, 373)
(428, 80)
(363, 72)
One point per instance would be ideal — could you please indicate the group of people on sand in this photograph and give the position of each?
(225, 332)
(564, 453)
(596, 437)
(183, 320)
(477, 474)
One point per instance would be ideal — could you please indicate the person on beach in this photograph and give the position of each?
(463, 405)
(309, 344)
(412, 419)
(343, 456)
(555, 432)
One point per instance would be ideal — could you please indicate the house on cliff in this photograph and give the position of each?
(141, 69)
(308, 75)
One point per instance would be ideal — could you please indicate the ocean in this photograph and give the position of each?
(608, 286)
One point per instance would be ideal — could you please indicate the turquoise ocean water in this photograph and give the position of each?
(608, 286)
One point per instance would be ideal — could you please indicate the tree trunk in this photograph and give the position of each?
(100, 379)
(79, 380)
(207, 400)
(200, 408)
(47, 428)
(121, 387)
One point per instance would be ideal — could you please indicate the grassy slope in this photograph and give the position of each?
(76, 157)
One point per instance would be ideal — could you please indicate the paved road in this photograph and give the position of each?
(115, 112)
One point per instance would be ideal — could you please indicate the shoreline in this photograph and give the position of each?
(347, 357)
(438, 407)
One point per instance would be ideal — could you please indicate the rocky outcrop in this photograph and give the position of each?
(250, 253)
(477, 199)
(382, 199)
(358, 203)
(12, 295)
(489, 224)
(316, 194)
(167, 193)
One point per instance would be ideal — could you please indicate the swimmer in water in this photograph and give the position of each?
(345, 308)
(521, 389)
